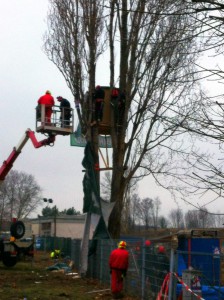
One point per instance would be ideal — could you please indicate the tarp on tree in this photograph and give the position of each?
(92, 201)
(90, 187)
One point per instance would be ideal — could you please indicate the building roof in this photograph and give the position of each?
(60, 219)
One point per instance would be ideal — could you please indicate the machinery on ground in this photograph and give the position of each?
(13, 247)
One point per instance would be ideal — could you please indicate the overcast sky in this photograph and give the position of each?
(26, 73)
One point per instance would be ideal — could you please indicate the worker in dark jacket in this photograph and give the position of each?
(98, 98)
(48, 101)
(118, 263)
(65, 108)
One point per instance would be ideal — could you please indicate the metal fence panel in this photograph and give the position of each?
(148, 269)
(75, 252)
(49, 244)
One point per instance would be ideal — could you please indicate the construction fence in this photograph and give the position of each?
(172, 274)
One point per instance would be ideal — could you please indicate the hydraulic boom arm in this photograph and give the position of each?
(29, 134)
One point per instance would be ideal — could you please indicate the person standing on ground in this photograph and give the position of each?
(48, 101)
(118, 263)
(65, 108)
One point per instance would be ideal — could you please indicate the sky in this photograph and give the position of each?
(26, 73)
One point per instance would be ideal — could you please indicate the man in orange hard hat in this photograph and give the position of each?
(118, 263)
(161, 249)
(48, 101)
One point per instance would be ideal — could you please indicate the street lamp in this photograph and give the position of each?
(55, 213)
(48, 200)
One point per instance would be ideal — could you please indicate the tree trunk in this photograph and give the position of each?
(118, 190)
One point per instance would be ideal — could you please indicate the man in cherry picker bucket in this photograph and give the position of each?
(48, 101)
(65, 108)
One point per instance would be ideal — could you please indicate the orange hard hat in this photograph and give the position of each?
(122, 244)
(161, 249)
(147, 243)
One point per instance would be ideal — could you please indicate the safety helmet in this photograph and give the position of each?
(161, 249)
(147, 243)
(122, 244)
(48, 92)
(59, 98)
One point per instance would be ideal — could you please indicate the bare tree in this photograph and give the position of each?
(130, 196)
(20, 195)
(130, 200)
(105, 186)
(199, 219)
(133, 211)
(210, 177)
(163, 222)
(191, 219)
(145, 212)
(156, 204)
(156, 47)
(218, 220)
(176, 218)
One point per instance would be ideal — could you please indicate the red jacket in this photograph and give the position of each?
(119, 259)
(46, 99)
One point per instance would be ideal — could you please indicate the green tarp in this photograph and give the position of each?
(90, 187)
(92, 203)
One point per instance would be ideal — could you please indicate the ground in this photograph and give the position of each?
(30, 280)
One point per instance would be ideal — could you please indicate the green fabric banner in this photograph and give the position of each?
(90, 187)
(92, 201)
(78, 140)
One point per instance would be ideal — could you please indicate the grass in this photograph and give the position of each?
(30, 280)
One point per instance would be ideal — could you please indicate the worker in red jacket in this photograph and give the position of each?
(118, 263)
(48, 101)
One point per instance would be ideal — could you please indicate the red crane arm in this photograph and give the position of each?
(7, 164)
(37, 144)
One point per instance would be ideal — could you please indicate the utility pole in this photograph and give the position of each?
(54, 214)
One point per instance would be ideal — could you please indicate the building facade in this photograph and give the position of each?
(67, 226)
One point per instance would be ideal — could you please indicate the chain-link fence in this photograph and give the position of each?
(49, 244)
(154, 270)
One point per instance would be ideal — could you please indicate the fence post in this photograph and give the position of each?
(143, 269)
(45, 244)
(101, 260)
(171, 274)
(85, 246)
